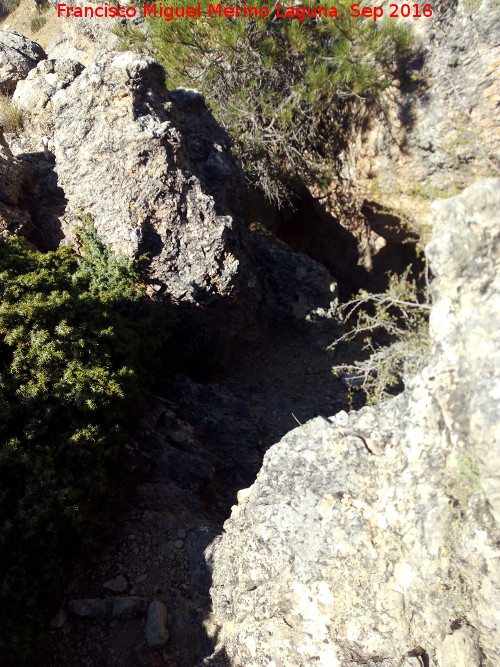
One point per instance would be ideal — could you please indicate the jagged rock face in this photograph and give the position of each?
(122, 157)
(436, 131)
(13, 179)
(35, 92)
(372, 536)
(18, 55)
(444, 131)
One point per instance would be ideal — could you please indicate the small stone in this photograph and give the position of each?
(179, 544)
(58, 620)
(181, 533)
(141, 578)
(117, 585)
(91, 608)
(113, 607)
(156, 630)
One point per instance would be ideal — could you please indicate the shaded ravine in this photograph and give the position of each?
(198, 447)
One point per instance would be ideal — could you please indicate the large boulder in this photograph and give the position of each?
(154, 171)
(372, 537)
(18, 55)
(122, 159)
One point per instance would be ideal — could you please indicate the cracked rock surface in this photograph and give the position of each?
(371, 537)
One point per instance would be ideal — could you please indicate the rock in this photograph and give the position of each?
(113, 607)
(141, 578)
(14, 180)
(179, 544)
(34, 93)
(117, 585)
(155, 172)
(459, 649)
(92, 608)
(446, 139)
(58, 620)
(89, 34)
(63, 47)
(156, 630)
(147, 195)
(18, 55)
(336, 556)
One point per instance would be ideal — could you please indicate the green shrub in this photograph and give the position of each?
(37, 23)
(78, 343)
(393, 327)
(283, 89)
(8, 6)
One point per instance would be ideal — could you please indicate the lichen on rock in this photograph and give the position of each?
(371, 537)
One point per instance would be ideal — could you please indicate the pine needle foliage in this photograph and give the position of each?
(282, 88)
(77, 345)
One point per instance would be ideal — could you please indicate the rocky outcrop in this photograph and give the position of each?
(445, 131)
(433, 133)
(18, 55)
(371, 537)
(154, 171)
(440, 131)
(122, 159)
(13, 181)
(34, 94)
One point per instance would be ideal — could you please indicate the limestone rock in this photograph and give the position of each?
(113, 607)
(448, 135)
(335, 556)
(154, 171)
(14, 219)
(34, 93)
(117, 585)
(121, 157)
(64, 47)
(18, 55)
(156, 624)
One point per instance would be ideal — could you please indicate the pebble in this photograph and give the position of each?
(156, 630)
(141, 578)
(181, 533)
(179, 544)
(117, 585)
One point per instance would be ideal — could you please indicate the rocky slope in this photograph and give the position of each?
(368, 538)
(434, 133)
(371, 537)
